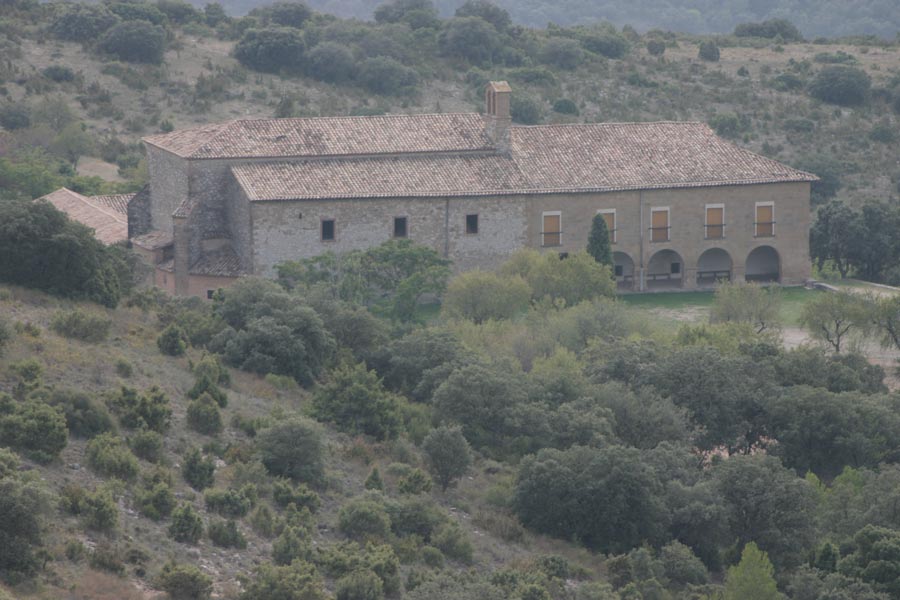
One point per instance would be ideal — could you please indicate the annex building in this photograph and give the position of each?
(685, 208)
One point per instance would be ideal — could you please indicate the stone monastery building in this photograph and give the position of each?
(685, 208)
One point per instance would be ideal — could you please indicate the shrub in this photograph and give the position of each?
(107, 557)
(80, 325)
(433, 557)
(58, 73)
(709, 51)
(14, 116)
(138, 11)
(448, 454)
(656, 47)
(373, 481)
(361, 584)
(563, 53)
(526, 109)
(293, 449)
(33, 427)
(207, 386)
(480, 296)
(184, 582)
(284, 493)
(263, 521)
(231, 503)
(124, 368)
(84, 417)
(332, 62)
(108, 455)
(198, 471)
(272, 49)
(100, 511)
(606, 43)
(135, 41)
(172, 340)
(155, 500)
(187, 526)
(770, 29)
(178, 11)
(728, 125)
(23, 505)
(354, 399)
(364, 518)
(297, 580)
(82, 22)
(290, 545)
(387, 76)
(203, 415)
(453, 542)
(564, 106)
(469, 38)
(149, 409)
(288, 14)
(226, 534)
(843, 85)
(414, 482)
(147, 444)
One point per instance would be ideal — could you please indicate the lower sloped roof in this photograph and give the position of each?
(104, 216)
(542, 159)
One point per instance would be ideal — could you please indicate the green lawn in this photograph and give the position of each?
(792, 301)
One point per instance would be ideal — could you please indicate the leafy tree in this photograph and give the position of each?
(293, 449)
(397, 10)
(198, 471)
(752, 578)
(607, 498)
(526, 109)
(833, 236)
(272, 49)
(226, 534)
(709, 51)
(493, 14)
(214, 14)
(828, 170)
(203, 415)
(563, 53)
(72, 143)
(184, 582)
(831, 316)
(574, 279)
(354, 399)
(290, 545)
(135, 41)
(605, 42)
(361, 584)
(138, 11)
(598, 241)
(288, 14)
(79, 22)
(187, 526)
(410, 365)
(84, 417)
(746, 303)
(772, 28)
(767, 504)
(32, 427)
(332, 62)
(480, 296)
(297, 580)
(448, 454)
(172, 340)
(877, 247)
(387, 76)
(874, 559)
(840, 84)
(23, 503)
(148, 409)
(364, 518)
(656, 47)
(109, 455)
(469, 38)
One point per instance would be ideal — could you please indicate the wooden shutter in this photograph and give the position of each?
(715, 228)
(551, 231)
(659, 223)
(610, 219)
(765, 226)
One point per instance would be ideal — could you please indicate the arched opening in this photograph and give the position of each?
(763, 264)
(665, 270)
(713, 266)
(623, 269)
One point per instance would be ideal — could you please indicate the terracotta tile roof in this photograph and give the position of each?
(109, 225)
(153, 240)
(116, 202)
(329, 136)
(221, 263)
(543, 159)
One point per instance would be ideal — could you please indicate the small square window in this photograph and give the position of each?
(400, 227)
(471, 224)
(209, 294)
(676, 268)
(328, 230)
(620, 270)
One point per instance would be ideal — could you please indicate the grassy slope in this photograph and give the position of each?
(638, 87)
(91, 367)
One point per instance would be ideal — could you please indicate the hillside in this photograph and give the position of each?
(757, 93)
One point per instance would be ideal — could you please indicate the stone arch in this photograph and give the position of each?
(763, 264)
(714, 266)
(623, 268)
(665, 270)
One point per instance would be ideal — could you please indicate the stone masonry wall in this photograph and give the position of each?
(168, 185)
(291, 230)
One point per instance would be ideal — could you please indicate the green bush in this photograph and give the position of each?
(32, 427)
(231, 503)
(297, 580)
(263, 521)
(709, 51)
(84, 417)
(15, 116)
(606, 43)
(203, 415)
(563, 53)
(354, 399)
(206, 385)
(124, 368)
(771, 29)
(364, 518)
(172, 340)
(332, 62)
(453, 542)
(526, 109)
(80, 325)
(415, 482)
(387, 76)
(100, 511)
(480, 296)
(82, 22)
(564, 106)
(656, 47)
(272, 49)
(135, 41)
(226, 534)
(361, 584)
(147, 444)
(149, 409)
(198, 471)
(284, 493)
(292, 544)
(155, 499)
(107, 557)
(184, 582)
(842, 85)
(186, 526)
(108, 455)
(214, 371)
(293, 449)
(448, 454)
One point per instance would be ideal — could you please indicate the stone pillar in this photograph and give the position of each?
(737, 273)
(689, 279)
(182, 249)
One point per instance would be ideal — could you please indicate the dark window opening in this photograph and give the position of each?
(563, 255)
(209, 294)
(472, 224)
(676, 268)
(328, 230)
(620, 271)
(400, 227)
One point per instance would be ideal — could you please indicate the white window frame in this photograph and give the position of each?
(665, 209)
(756, 217)
(706, 221)
(551, 213)
(615, 228)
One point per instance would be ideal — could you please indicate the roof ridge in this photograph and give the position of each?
(607, 124)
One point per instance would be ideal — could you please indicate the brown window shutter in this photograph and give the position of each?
(551, 231)
(660, 224)
(715, 222)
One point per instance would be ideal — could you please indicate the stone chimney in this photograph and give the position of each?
(496, 108)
